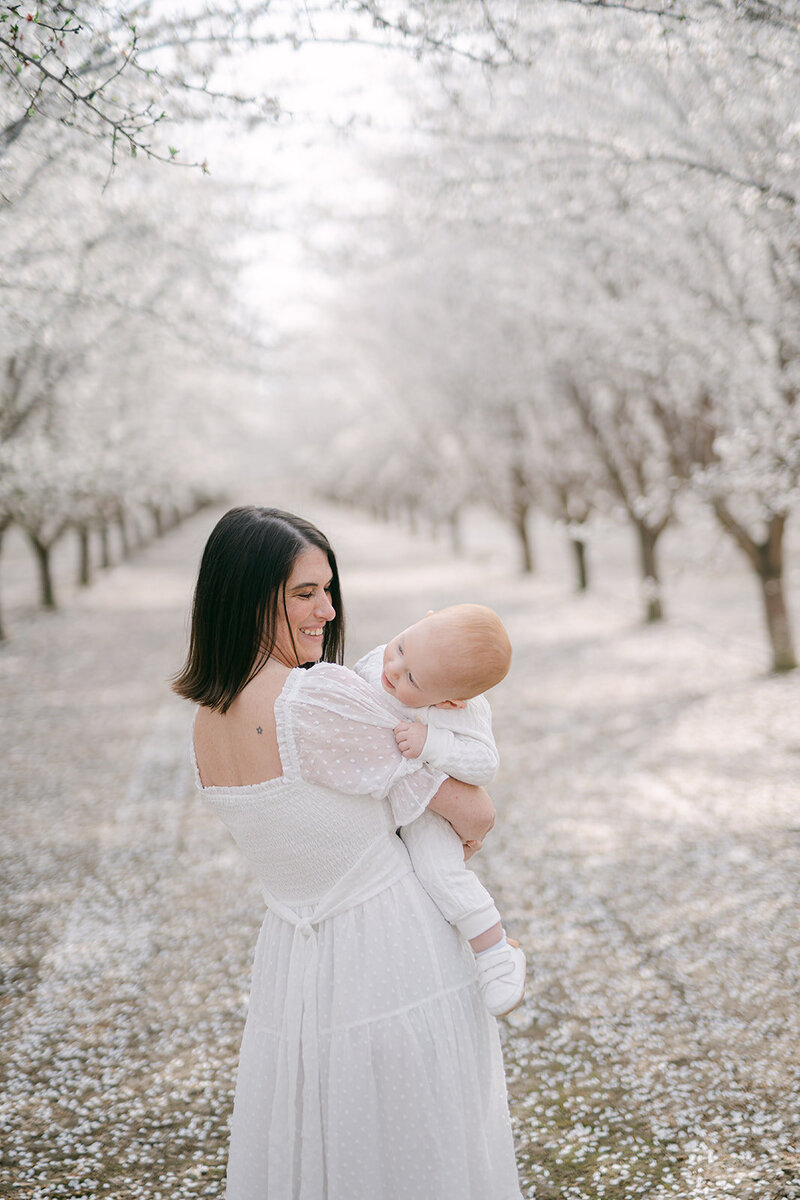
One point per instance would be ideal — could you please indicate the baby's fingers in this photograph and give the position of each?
(404, 744)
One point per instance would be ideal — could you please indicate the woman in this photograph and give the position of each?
(369, 1068)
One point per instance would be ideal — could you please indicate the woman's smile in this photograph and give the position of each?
(308, 609)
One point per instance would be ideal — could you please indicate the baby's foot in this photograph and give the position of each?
(501, 978)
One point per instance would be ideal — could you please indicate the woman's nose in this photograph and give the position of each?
(325, 610)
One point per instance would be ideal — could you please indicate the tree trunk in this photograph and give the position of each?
(4, 524)
(158, 520)
(778, 626)
(47, 596)
(136, 534)
(766, 558)
(455, 533)
(84, 557)
(124, 538)
(105, 546)
(651, 584)
(771, 578)
(519, 519)
(581, 572)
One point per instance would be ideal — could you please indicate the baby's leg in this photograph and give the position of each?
(437, 855)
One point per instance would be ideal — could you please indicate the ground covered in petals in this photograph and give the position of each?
(647, 854)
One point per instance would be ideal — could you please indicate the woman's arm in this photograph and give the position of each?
(468, 809)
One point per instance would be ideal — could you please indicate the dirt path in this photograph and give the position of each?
(647, 854)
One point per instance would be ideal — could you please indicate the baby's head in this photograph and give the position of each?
(447, 657)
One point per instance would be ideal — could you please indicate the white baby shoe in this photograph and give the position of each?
(501, 978)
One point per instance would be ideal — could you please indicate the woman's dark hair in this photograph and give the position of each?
(242, 579)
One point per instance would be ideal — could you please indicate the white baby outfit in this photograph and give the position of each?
(369, 1068)
(460, 743)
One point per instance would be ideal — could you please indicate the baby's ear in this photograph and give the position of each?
(451, 704)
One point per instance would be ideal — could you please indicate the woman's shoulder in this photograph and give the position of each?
(329, 670)
(306, 683)
(330, 677)
(335, 687)
(323, 674)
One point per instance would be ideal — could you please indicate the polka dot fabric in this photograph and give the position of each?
(369, 1068)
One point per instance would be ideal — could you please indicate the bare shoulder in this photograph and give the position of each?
(240, 747)
(261, 692)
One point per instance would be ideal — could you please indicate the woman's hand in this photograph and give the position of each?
(468, 809)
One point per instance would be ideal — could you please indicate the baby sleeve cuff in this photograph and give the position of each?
(438, 747)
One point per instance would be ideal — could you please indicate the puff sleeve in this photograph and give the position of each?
(337, 734)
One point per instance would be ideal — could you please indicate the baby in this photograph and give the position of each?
(439, 668)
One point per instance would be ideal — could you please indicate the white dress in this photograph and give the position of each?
(369, 1067)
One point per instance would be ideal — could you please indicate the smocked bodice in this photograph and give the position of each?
(344, 786)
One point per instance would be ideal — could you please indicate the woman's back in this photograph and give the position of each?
(299, 838)
(240, 747)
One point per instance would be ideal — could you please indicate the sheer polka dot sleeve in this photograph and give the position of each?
(338, 734)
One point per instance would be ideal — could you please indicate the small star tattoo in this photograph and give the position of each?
(259, 729)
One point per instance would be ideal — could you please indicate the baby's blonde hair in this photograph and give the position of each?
(474, 642)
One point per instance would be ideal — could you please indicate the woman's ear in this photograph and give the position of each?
(451, 704)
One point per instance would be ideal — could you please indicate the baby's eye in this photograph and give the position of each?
(411, 679)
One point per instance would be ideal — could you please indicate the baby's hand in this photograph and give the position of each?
(410, 737)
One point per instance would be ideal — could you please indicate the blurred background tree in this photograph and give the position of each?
(599, 255)
(568, 284)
